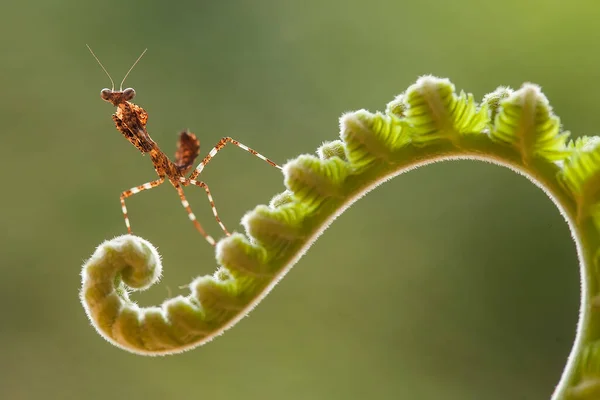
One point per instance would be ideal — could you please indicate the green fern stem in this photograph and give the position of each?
(428, 123)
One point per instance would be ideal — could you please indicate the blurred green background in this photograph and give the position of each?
(457, 281)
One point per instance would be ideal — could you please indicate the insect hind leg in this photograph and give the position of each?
(191, 215)
(219, 146)
(204, 186)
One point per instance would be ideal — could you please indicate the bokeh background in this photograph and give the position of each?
(457, 281)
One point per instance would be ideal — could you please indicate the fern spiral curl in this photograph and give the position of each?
(428, 123)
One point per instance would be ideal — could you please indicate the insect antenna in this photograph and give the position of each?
(104, 69)
(136, 61)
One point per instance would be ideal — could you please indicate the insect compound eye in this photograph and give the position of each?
(128, 93)
(105, 94)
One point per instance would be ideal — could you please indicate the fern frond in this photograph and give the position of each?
(427, 123)
(526, 122)
(435, 112)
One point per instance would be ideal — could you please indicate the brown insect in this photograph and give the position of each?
(131, 119)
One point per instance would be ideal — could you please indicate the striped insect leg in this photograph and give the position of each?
(219, 146)
(134, 190)
(210, 199)
(192, 217)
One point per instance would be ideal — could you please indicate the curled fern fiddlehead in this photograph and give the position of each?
(428, 123)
